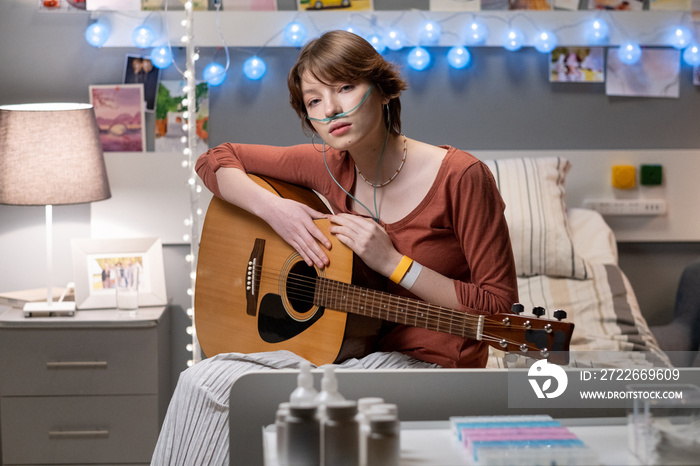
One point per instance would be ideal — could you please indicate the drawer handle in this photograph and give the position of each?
(76, 365)
(60, 434)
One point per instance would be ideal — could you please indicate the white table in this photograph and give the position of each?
(431, 443)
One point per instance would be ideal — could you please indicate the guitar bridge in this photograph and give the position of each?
(252, 279)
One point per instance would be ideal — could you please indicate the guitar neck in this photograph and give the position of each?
(354, 299)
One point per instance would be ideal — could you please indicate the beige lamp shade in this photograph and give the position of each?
(51, 154)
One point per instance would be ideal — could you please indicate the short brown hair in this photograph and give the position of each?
(344, 56)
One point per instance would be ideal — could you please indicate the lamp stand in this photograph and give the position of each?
(49, 308)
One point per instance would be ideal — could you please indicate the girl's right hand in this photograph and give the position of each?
(294, 223)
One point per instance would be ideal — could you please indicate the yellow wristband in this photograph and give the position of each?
(401, 269)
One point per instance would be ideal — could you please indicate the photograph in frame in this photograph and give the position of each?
(140, 70)
(119, 109)
(100, 265)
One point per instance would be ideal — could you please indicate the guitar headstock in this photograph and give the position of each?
(531, 335)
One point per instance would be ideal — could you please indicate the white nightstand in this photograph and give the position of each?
(87, 389)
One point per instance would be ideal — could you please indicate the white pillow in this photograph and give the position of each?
(533, 190)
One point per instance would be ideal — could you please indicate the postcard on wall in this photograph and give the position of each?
(571, 5)
(198, 5)
(669, 5)
(529, 5)
(656, 74)
(119, 110)
(335, 5)
(616, 5)
(61, 5)
(251, 5)
(577, 64)
(169, 121)
(140, 70)
(455, 5)
(113, 5)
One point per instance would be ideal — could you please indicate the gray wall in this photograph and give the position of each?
(503, 101)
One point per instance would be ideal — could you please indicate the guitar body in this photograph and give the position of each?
(241, 307)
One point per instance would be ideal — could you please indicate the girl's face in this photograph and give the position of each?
(360, 102)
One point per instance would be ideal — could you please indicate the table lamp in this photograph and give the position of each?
(50, 154)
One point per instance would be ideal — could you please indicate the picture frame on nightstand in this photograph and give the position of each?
(99, 265)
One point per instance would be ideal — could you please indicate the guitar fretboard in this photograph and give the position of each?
(381, 305)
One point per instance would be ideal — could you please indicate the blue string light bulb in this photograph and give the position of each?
(429, 33)
(691, 54)
(377, 42)
(295, 33)
(395, 39)
(97, 33)
(254, 68)
(418, 58)
(513, 39)
(214, 74)
(161, 57)
(681, 37)
(545, 41)
(597, 31)
(629, 52)
(475, 33)
(458, 57)
(143, 36)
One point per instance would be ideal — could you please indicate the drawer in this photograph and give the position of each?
(78, 430)
(78, 361)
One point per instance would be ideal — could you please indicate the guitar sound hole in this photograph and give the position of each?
(301, 284)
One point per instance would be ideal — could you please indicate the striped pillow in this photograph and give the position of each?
(533, 190)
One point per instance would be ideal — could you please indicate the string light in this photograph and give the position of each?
(681, 37)
(295, 33)
(418, 58)
(691, 55)
(429, 33)
(458, 57)
(513, 39)
(629, 53)
(161, 57)
(254, 68)
(545, 41)
(97, 33)
(597, 31)
(214, 74)
(143, 36)
(377, 42)
(475, 33)
(395, 39)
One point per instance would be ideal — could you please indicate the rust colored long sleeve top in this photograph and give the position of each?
(458, 230)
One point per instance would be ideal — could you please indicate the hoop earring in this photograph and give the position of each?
(388, 116)
(313, 143)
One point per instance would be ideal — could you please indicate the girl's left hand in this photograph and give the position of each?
(368, 240)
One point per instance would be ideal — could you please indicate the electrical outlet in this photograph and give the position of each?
(627, 206)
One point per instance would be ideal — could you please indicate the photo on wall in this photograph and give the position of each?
(251, 5)
(656, 74)
(577, 64)
(140, 70)
(169, 120)
(119, 110)
(616, 5)
(455, 5)
(335, 5)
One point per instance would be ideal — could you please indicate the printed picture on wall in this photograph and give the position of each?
(113, 5)
(197, 5)
(140, 70)
(251, 5)
(577, 64)
(669, 5)
(616, 5)
(334, 5)
(61, 5)
(169, 121)
(656, 74)
(455, 5)
(529, 5)
(120, 116)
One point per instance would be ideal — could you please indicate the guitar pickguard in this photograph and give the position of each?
(275, 325)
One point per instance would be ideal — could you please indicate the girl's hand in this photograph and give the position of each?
(293, 222)
(368, 240)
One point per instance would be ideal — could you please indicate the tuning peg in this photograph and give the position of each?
(517, 308)
(539, 311)
(559, 314)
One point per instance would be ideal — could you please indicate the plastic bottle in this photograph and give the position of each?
(340, 434)
(305, 391)
(302, 435)
(329, 387)
(383, 442)
(280, 427)
(363, 406)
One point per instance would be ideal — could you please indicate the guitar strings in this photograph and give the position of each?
(302, 288)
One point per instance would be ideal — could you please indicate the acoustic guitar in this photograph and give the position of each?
(254, 293)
